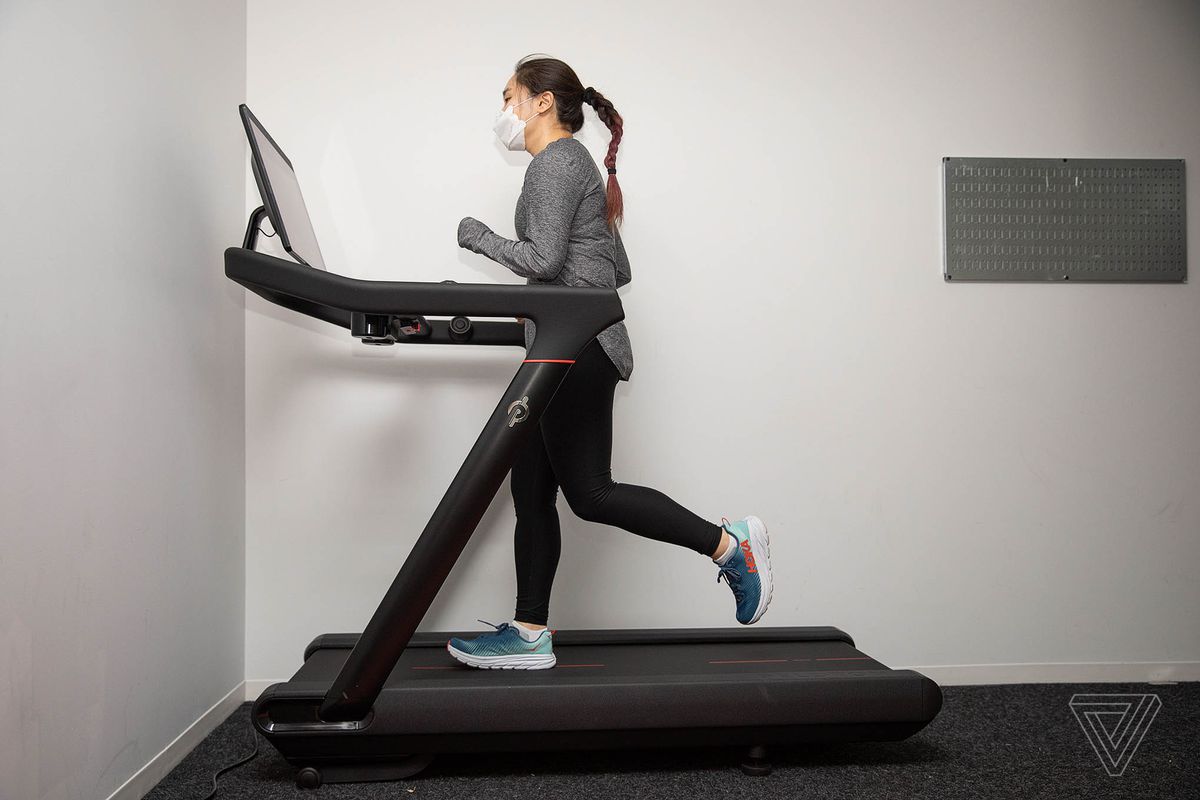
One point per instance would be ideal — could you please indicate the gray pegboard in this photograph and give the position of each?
(1055, 219)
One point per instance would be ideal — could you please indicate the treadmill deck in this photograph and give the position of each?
(609, 689)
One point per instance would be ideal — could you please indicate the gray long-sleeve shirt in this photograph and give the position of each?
(562, 236)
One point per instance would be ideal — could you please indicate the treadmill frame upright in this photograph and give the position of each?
(567, 319)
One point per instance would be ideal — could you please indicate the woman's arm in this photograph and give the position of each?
(553, 190)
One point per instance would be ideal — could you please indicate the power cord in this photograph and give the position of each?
(234, 765)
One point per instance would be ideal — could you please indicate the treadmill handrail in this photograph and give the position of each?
(565, 316)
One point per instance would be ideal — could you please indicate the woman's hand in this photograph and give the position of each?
(470, 231)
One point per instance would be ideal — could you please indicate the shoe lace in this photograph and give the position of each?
(504, 626)
(499, 628)
(734, 578)
(730, 573)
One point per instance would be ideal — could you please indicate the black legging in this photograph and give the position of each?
(574, 449)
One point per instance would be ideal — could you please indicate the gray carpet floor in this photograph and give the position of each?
(989, 741)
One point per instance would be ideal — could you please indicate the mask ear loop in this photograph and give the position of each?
(523, 102)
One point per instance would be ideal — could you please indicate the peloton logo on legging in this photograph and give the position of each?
(750, 567)
(518, 410)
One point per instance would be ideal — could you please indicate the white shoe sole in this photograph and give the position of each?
(760, 545)
(517, 661)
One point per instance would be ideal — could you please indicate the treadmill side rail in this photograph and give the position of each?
(567, 317)
(607, 636)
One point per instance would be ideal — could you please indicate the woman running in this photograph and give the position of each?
(566, 225)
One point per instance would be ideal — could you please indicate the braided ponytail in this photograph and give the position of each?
(540, 73)
(612, 120)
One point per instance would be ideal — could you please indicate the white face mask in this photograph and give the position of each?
(510, 128)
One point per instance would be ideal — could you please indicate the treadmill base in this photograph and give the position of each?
(747, 689)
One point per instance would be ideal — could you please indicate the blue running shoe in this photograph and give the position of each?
(748, 570)
(504, 648)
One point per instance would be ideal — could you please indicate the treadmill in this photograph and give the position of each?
(381, 704)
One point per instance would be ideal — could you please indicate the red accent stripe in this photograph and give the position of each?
(548, 361)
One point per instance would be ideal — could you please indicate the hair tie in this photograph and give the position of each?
(612, 170)
(589, 95)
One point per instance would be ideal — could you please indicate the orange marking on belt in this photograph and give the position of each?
(548, 361)
(847, 658)
(752, 661)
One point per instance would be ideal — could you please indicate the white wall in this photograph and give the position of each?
(956, 474)
(121, 387)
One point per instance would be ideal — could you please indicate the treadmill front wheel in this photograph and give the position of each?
(308, 778)
(755, 762)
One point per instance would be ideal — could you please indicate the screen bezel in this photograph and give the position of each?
(264, 183)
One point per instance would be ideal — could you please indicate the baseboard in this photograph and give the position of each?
(1128, 672)
(148, 776)
(255, 688)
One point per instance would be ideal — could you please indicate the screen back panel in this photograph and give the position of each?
(280, 191)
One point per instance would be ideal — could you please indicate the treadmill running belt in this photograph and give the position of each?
(435, 665)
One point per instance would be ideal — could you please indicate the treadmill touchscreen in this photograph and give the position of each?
(281, 193)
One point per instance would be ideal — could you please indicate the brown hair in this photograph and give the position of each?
(538, 74)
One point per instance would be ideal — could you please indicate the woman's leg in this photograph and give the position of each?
(577, 433)
(538, 541)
